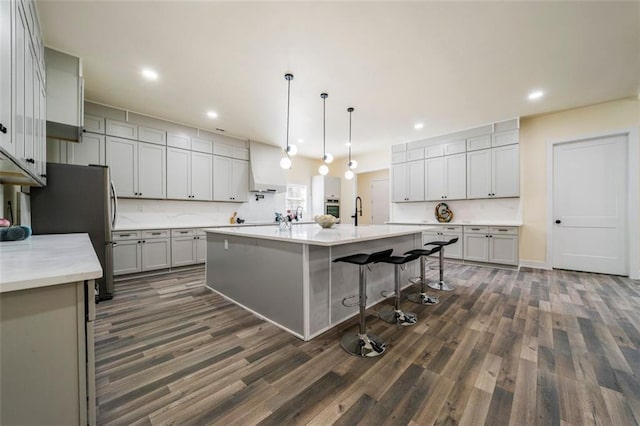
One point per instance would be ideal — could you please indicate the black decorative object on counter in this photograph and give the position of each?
(443, 213)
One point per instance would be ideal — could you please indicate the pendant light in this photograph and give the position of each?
(290, 150)
(352, 163)
(326, 157)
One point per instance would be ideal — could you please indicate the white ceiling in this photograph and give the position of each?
(449, 65)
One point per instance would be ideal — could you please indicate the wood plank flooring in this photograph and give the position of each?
(505, 348)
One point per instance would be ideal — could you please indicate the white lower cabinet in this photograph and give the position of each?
(491, 244)
(139, 251)
(188, 247)
(447, 233)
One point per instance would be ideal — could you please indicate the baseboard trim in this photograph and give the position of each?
(535, 264)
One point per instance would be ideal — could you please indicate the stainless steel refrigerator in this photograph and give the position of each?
(79, 199)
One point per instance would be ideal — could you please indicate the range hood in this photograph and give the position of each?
(266, 174)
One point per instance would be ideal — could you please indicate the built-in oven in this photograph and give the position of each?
(332, 207)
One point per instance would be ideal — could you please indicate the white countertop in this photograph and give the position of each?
(45, 260)
(315, 235)
(477, 222)
(147, 227)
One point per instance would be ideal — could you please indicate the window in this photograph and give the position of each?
(296, 197)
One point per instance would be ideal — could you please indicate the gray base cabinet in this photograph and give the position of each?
(453, 251)
(140, 251)
(188, 247)
(48, 374)
(492, 244)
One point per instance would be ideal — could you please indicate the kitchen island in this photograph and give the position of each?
(288, 276)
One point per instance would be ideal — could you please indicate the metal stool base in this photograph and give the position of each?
(441, 285)
(362, 345)
(422, 299)
(398, 317)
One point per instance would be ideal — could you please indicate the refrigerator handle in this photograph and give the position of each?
(115, 204)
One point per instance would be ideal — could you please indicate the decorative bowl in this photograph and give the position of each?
(325, 220)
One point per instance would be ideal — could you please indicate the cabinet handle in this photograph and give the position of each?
(558, 221)
(124, 235)
(44, 176)
(184, 232)
(3, 129)
(139, 242)
(503, 230)
(156, 233)
(475, 229)
(30, 160)
(143, 241)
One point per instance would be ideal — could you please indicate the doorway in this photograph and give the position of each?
(379, 202)
(590, 229)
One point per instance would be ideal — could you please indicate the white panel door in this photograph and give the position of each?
(505, 176)
(5, 82)
(178, 173)
(152, 166)
(122, 159)
(379, 202)
(202, 176)
(221, 178)
(434, 179)
(56, 151)
(415, 177)
(589, 205)
(240, 180)
(399, 182)
(28, 153)
(455, 177)
(91, 150)
(479, 174)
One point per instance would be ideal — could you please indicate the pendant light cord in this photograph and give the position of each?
(350, 111)
(324, 127)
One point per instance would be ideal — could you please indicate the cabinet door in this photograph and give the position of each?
(178, 173)
(178, 141)
(222, 178)
(147, 134)
(42, 136)
(399, 182)
(18, 81)
(479, 174)
(434, 179)
(127, 257)
(90, 150)
(201, 176)
(428, 237)
(201, 249)
(453, 251)
(476, 247)
(56, 151)
(202, 145)
(506, 171)
(156, 254)
(93, 123)
(122, 159)
(152, 166)
(503, 249)
(121, 129)
(415, 174)
(28, 154)
(183, 251)
(455, 176)
(240, 180)
(6, 72)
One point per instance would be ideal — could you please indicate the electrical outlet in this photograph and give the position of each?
(226, 244)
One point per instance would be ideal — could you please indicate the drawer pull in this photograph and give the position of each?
(156, 233)
(475, 229)
(184, 232)
(503, 230)
(124, 235)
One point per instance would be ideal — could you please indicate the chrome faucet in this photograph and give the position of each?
(298, 214)
(355, 216)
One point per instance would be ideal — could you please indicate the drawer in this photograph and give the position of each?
(156, 233)
(506, 230)
(125, 235)
(476, 229)
(451, 229)
(183, 232)
(479, 142)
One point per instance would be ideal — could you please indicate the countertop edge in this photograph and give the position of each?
(454, 223)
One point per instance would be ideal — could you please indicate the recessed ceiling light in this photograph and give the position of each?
(212, 114)
(418, 126)
(535, 95)
(149, 74)
(300, 140)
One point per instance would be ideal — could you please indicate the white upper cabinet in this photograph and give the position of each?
(6, 128)
(399, 182)
(137, 168)
(408, 181)
(147, 134)
(505, 167)
(90, 150)
(202, 145)
(240, 180)
(445, 178)
(508, 137)
(178, 141)
(479, 174)
(434, 179)
(479, 142)
(455, 147)
(230, 179)
(201, 176)
(121, 129)
(178, 174)
(94, 124)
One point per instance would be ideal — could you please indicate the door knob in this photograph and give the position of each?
(558, 221)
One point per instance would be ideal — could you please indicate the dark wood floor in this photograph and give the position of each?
(505, 348)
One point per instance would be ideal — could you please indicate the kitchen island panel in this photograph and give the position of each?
(264, 276)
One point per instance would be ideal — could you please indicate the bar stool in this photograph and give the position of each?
(362, 344)
(397, 316)
(422, 298)
(441, 285)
